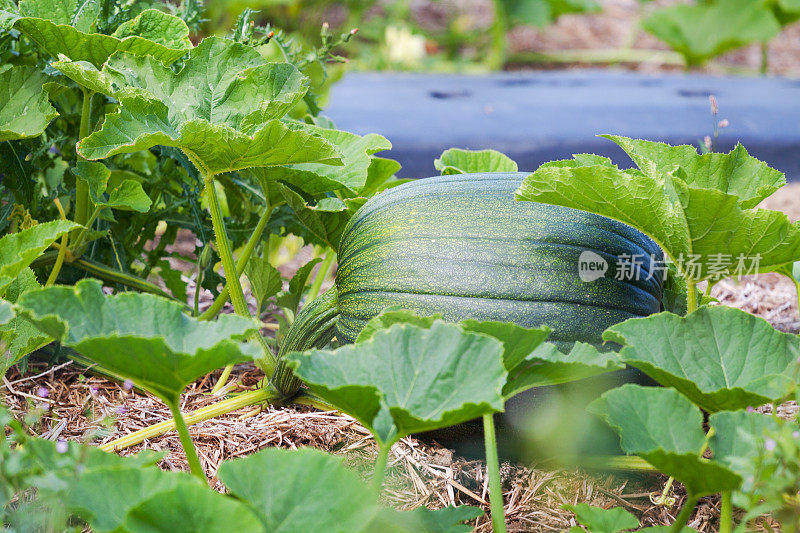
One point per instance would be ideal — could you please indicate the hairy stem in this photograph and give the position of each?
(380, 466)
(322, 273)
(691, 296)
(247, 252)
(493, 472)
(685, 514)
(232, 282)
(81, 186)
(220, 408)
(62, 249)
(186, 442)
(726, 513)
(106, 273)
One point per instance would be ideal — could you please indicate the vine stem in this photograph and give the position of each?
(62, 249)
(81, 186)
(232, 282)
(499, 43)
(493, 472)
(214, 410)
(685, 514)
(380, 466)
(322, 273)
(691, 296)
(726, 513)
(186, 441)
(247, 251)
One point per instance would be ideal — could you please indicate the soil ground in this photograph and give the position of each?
(86, 407)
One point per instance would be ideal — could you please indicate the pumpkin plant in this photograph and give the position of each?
(142, 337)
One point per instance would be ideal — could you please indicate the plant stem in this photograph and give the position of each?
(322, 273)
(232, 282)
(380, 466)
(764, 68)
(493, 472)
(186, 441)
(247, 251)
(726, 513)
(691, 296)
(81, 186)
(106, 273)
(62, 249)
(220, 408)
(87, 226)
(685, 514)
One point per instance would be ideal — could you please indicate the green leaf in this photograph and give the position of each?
(19, 336)
(291, 298)
(265, 280)
(648, 418)
(543, 12)
(103, 496)
(326, 220)
(6, 312)
(317, 178)
(18, 250)
(721, 358)
(700, 32)
(665, 429)
(191, 509)
(127, 196)
(729, 447)
(408, 379)
(143, 123)
(380, 176)
(25, 110)
(394, 315)
(140, 336)
(705, 232)
(518, 342)
(424, 520)
(457, 161)
(549, 365)
(736, 173)
(332, 499)
(50, 24)
(599, 520)
(222, 109)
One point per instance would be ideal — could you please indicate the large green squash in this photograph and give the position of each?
(460, 245)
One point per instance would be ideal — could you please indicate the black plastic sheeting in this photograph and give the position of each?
(541, 116)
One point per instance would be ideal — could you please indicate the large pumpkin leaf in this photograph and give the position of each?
(65, 27)
(222, 109)
(334, 498)
(721, 358)
(191, 509)
(424, 520)
(702, 31)
(543, 12)
(408, 379)
(18, 250)
(666, 430)
(599, 520)
(316, 178)
(705, 232)
(103, 496)
(457, 161)
(24, 108)
(729, 446)
(736, 172)
(140, 336)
